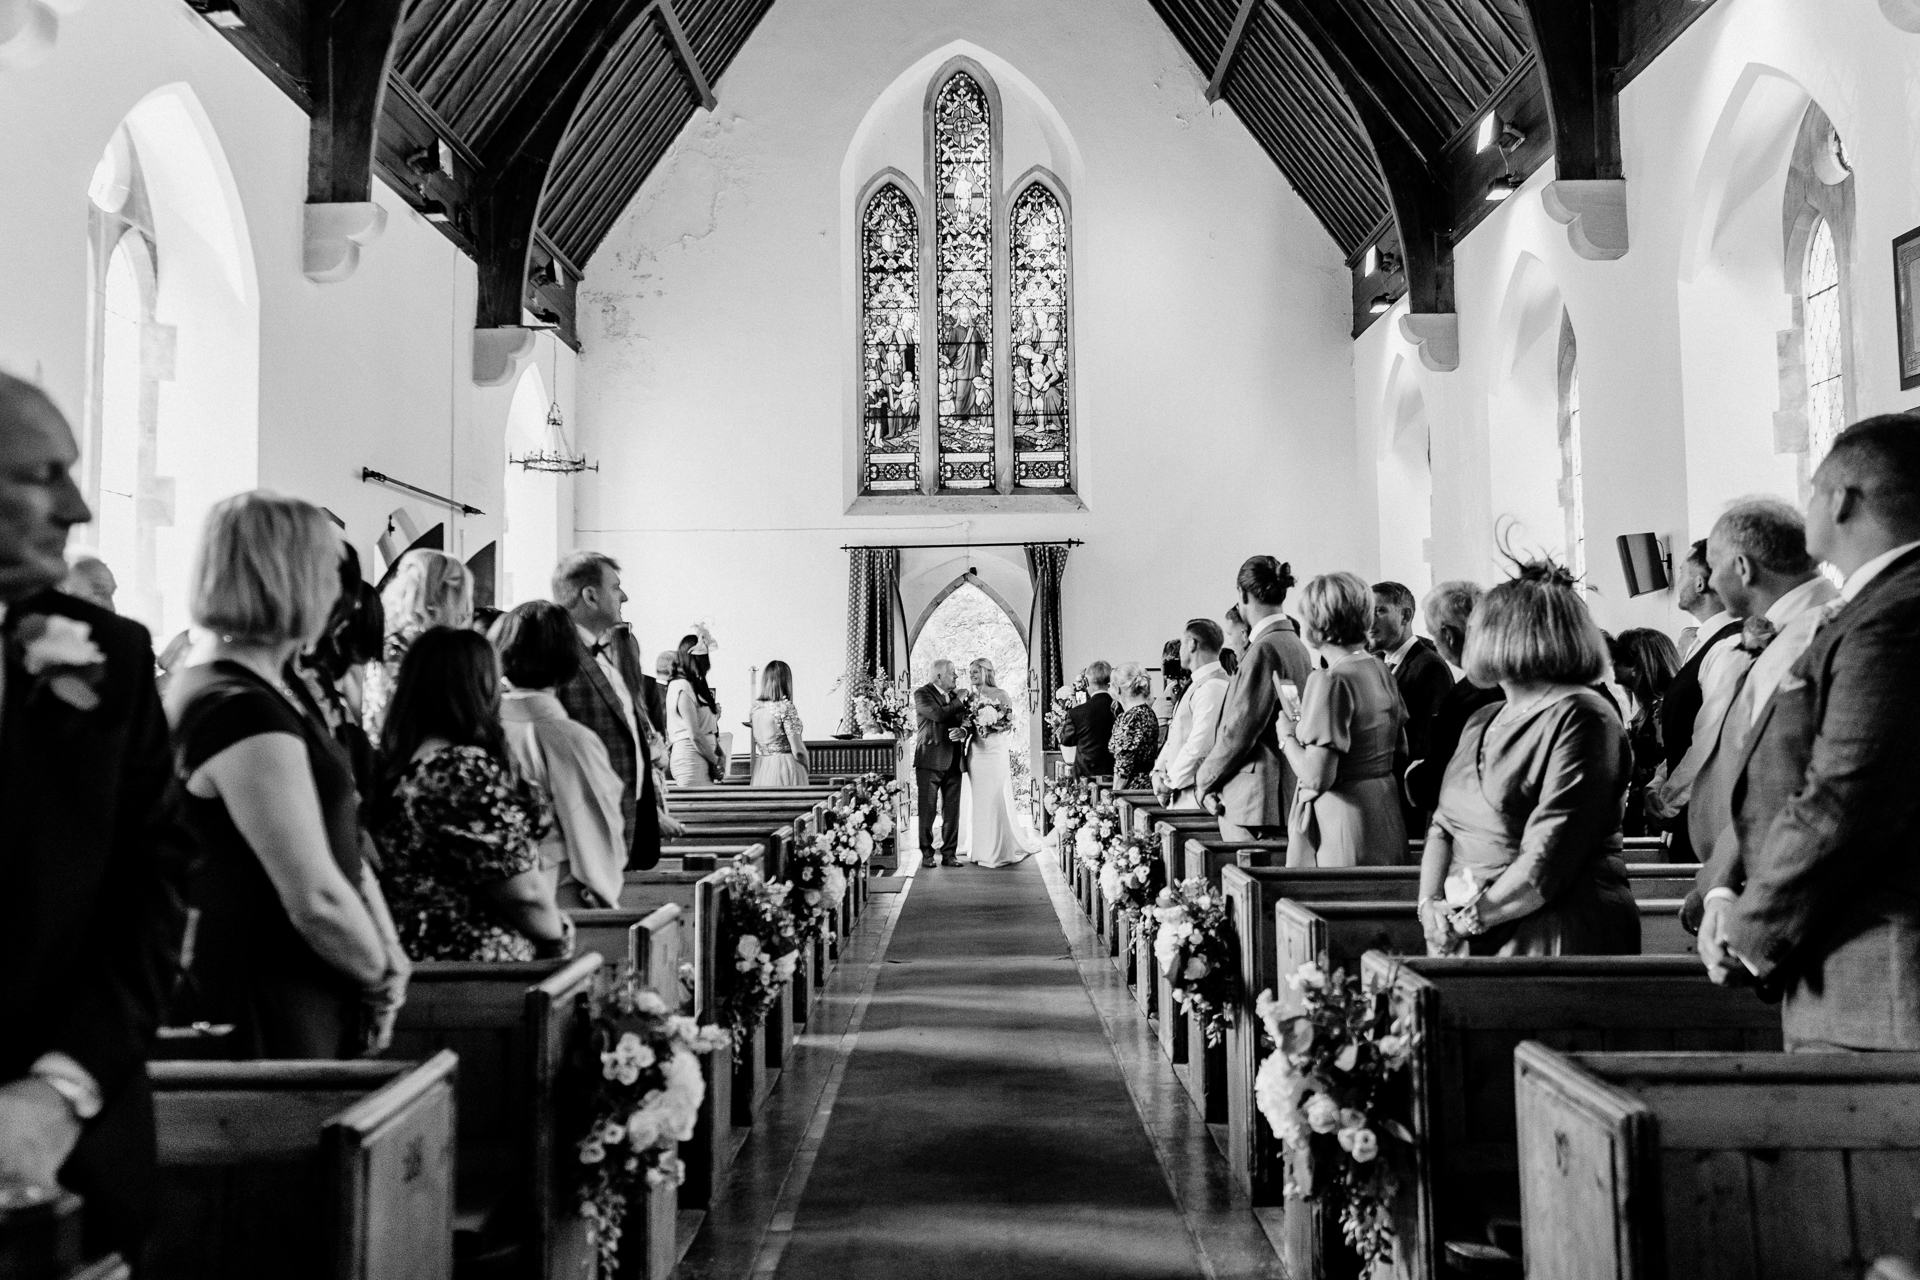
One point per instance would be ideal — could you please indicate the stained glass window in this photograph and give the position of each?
(1038, 229)
(963, 291)
(890, 342)
(1826, 392)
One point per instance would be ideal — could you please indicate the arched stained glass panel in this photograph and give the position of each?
(1038, 228)
(890, 336)
(963, 290)
(1826, 392)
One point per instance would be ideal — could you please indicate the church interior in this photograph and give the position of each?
(856, 334)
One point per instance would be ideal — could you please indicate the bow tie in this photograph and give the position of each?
(600, 649)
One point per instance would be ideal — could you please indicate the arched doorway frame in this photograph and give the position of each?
(968, 575)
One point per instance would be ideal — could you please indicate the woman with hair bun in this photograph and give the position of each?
(1524, 854)
(1341, 738)
(1245, 781)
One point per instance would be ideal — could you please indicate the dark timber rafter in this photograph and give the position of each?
(697, 78)
(1577, 45)
(349, 56)
(1235, 37)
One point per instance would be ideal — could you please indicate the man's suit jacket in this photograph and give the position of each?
(1456, 708)
(1089, 731)
(590, 699)
(95, 869)
(1827, 815)
(933, 750)
(656, 702)
(1681, 704)
(1246, 768)
(1424, 682)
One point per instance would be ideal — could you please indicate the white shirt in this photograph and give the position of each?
(1273, 619)
(1205, 698)
(1720, 670)
(1703, 632)
(1859, 578)
(614, 678)
(1795, 617)
(1406, 647)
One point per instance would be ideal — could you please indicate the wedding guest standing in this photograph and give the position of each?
(1447, 608)
(1175, 678)
(1135, 739)
(1238, 637)
(1341, 746)
(653, 690)
(1197, 719)
(1417, 669)
(428, 589)
(91, 580)
(1823, 902)
(693, 721)
(1715, 643)
(459, 829)
(1245, 781)
(779, 739)
(329, 677)
(1523, 857)
(604, 696)
(1644, 664)
(583, 854)
(1089, 727)
(294, 947)
(92, 859)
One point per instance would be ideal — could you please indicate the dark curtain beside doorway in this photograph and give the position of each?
(1047, 564)
(873, 597)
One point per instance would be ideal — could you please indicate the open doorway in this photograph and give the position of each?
(965, 623)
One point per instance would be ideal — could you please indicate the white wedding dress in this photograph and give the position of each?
(992, 834)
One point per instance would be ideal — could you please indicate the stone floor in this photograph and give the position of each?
(978, 1096)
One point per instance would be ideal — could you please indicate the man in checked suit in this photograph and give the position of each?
(607, 696)
(1822, 901)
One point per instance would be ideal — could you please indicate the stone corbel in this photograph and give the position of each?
(1436, 336)
(335, 234)
(1594, 212)
(29, 29)
(498, 354)
(1904, 14)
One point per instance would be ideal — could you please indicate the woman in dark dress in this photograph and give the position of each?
(1523, 856)
(1135, 739)
(1644, 663)
(459, 829)
(293, 946)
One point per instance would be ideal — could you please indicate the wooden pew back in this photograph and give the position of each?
(342, 1170)
(1774, 1166)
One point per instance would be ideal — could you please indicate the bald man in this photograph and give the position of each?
(90, 860)
(91, 580)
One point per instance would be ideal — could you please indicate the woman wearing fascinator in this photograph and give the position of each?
(696, 756)
(1524, 855)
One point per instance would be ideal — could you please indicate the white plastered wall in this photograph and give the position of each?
(1214, 395)
(1677, 341)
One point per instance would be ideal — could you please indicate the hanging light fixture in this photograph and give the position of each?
(556, 458)
(1502, 187)
(1380, 305)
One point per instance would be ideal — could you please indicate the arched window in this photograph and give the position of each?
(1038, 230)
(1826, 369)
(1573, 505)
(890, 341)
(964, 191)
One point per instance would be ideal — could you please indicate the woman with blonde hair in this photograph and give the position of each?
(1341, 735)
(428, 589)
(779, 739)
(1135, 739)
(1524, 856)
(294, 946)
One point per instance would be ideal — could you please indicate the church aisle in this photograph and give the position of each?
(983, 1126)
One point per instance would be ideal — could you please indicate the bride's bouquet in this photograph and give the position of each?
(986, 717)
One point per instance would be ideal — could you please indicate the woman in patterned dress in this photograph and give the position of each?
(459, 829)
(1136, 730)
(779, 739)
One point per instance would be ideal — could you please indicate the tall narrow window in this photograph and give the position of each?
(963, 290)
(1038, 229)
(890, 333)
(1826, 392)
(1573, 503)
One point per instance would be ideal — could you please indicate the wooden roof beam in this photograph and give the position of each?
(349, 59)
(1577, 48)
(677, 35)
(1224, 63)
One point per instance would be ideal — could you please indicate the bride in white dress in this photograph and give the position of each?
(992, 834)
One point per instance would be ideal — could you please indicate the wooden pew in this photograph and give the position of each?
(40, 1236)
(754, 1072)
(1469, 1016)
(342, 1170)
(1657, 1165)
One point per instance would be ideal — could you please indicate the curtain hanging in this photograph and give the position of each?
(1047, 564)
(873, 596)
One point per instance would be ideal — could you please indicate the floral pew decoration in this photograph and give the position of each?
(1131, 879)
(1066, 801)
(1322, 1091)
(1099, 823)
(1194, 945)
(855, 829)
(643, 1089)
(818, 880)
(758, 933)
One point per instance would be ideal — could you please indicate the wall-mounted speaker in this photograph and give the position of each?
(1643, 562)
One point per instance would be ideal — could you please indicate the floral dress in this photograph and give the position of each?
(1135, 743)
(457, 820)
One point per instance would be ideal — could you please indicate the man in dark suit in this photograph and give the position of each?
(1418, 671)
(605, 695)
(1822, 902)
(1089, 727)
(1446, 608)
(1245, 781)
(93, 863)
(939, 760)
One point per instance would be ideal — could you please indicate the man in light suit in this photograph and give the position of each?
(1245, 781)
(1823, 901)
(939, 762)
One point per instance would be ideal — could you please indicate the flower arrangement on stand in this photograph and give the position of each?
(818, 884)
(1130, 879)
(885, 795)
(758, 932)
(1321, 1091)
(642, 1091)
(881, 701)
(1194, 945)
(1065, 699)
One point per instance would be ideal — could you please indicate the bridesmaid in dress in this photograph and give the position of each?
(1342, 745)
(779, 739)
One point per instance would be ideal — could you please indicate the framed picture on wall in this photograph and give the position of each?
(1906, 302)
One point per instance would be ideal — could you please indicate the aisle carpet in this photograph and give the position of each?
(983, 1128)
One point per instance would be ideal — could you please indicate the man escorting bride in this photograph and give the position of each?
(967, 772)
(992, 833)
